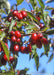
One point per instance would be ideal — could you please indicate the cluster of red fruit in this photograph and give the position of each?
(15, 37)
(38, 39)
(20, 15)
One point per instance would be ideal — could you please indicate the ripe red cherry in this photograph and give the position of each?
(34, 36)
(17, 34)
(45, 41)
(19, 16)
(18, 40)
(52, 12)
(24, 13)
(16, 47)
(0, 49)
(38, 17)
(41, 25)
(9, 19)
(5, 57)
(15, 12)
(12, 33)
(13, 38)
(40, 36)
(11, 58)
(2, 30)
(23, 48)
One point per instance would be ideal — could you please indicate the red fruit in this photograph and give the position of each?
(17, 34)
(15, 24)
(38, 17)
(18, 72)
(34, 36)
(2, 30)
(0, 49)
(23, 48)
(6, 45)
(45, 41)
(12, 33)
(15, 12)
(29, 48)
(19, 16)
(52, 12)
(24, 13)
(18, 40)
(9, 19)
(40, 36)
(32, 11)
(39, 44)
(11, 58)
(16, 47)
(41, 25)
(13, 38)
(5, 57)
(11, 10)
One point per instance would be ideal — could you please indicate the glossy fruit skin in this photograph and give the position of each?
(13, 38)
(52, 12)
(16, 47)
(17, 34)
(34, 36)
(23, 48)
(18, 40)
(40, 36)
(24, 13)
(9, 19)
(12, 32)
(0, 49)
(15, 12)
(41, 26)
(11, 59)
(45, 41)
(5, 57)
(19, 16)
(38, 17)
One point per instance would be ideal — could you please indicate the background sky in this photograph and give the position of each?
(23, 59)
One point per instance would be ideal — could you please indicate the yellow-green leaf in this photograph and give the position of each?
(19, 1)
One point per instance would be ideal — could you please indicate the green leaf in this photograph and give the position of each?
(34, 49)
(2, 36)
(19, 1)
(49, 32)
(48, 8)
(36, 58)
(8, 73)
(41, 3)
(11, 25)
(46, 48)
(48, 1)
(33, 17)
(51, 57)
(5, 49)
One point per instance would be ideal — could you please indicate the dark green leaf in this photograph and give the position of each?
(33, 17)
(5, 49)
(11, 25)
(42, 54)
(49, 8)
(19, 1)
(51, 57)
(46, 48)
(41, 3)
(36, 58)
